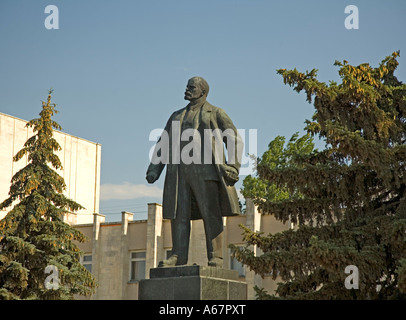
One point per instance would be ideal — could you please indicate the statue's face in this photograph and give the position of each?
(193, 90)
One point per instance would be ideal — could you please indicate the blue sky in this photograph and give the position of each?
(119, 68)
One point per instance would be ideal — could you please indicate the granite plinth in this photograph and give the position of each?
(192, 283)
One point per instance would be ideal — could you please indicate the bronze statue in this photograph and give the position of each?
(202, 188)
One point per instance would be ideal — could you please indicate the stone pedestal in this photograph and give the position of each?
(192, 283)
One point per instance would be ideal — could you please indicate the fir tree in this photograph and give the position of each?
(348, 200)
(33, 234)
(279, 155)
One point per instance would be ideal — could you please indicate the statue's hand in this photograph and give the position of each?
(230, 174)
(151, 177)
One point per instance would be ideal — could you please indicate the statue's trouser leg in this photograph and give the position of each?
(180, 240)
(207, 198)
(206, 193)
(181, 224)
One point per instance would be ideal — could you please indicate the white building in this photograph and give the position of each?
(80, 160)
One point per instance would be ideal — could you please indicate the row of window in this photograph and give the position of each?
(138, 264)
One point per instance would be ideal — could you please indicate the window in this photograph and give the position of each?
(86, 261)
(137, 265)
(236, 265)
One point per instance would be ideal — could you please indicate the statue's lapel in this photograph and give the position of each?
(205, 115)
(179, 117)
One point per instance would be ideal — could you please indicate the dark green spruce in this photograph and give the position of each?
(33, 234)
(347, 201)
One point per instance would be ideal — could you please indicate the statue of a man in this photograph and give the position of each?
(204, 187)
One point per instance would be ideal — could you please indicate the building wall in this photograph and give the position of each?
(112, 245)
(80, 160)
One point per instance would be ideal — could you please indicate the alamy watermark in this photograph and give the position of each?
(52, 280)
(352, 20)
(351, 282)
(192, 147)
(51, 21)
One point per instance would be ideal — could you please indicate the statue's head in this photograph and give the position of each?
(196, 88)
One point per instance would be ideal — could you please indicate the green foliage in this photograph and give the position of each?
(33, 234)
(347, 201)
(278, 157)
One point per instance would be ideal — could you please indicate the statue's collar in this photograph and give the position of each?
(196, 104)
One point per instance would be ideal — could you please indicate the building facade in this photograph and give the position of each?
(80, 160)
(120, 254)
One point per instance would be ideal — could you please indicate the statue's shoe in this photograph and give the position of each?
(216, 262)
(170, 262)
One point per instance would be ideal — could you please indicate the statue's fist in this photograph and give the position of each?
(151, 177)
(230, 174)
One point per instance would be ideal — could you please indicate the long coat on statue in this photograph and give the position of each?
(212, 118)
